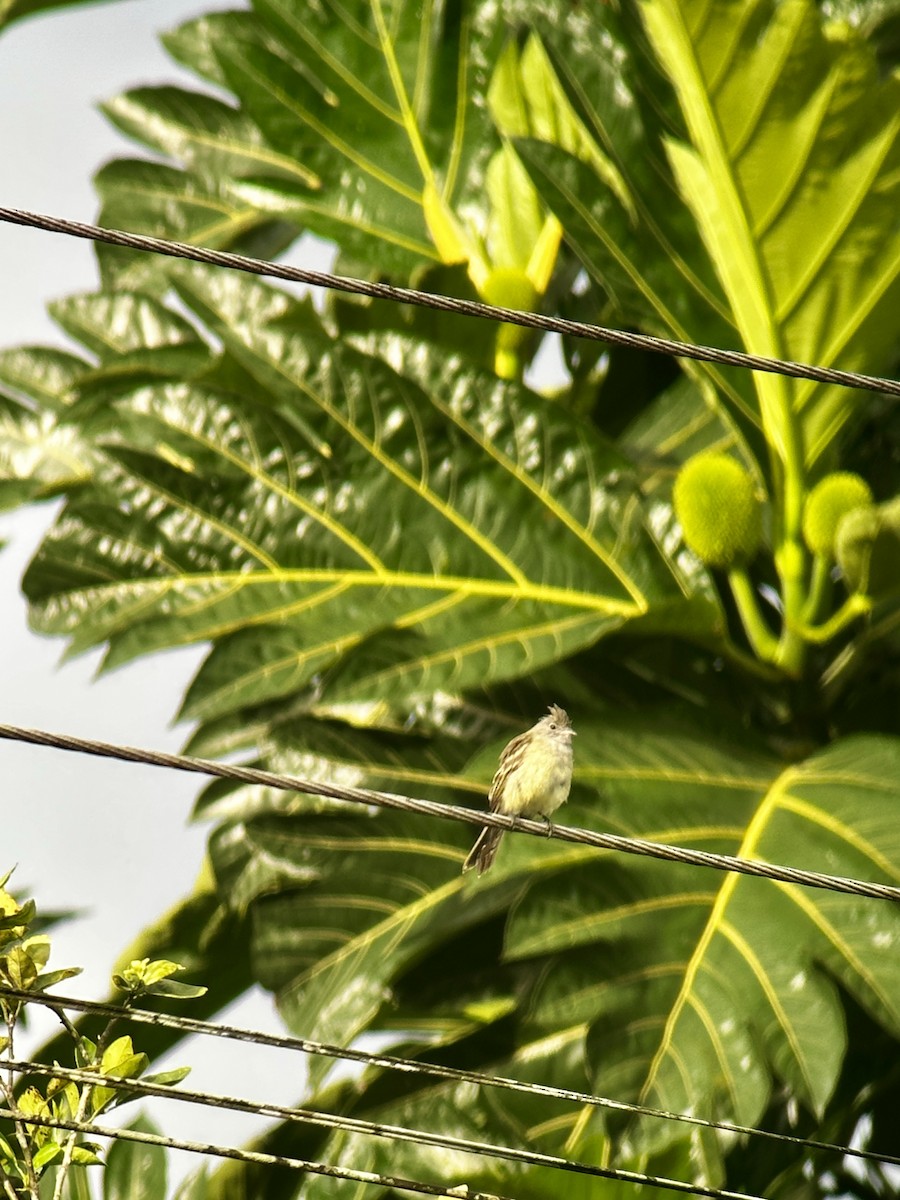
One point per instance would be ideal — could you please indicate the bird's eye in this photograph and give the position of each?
(552, 724)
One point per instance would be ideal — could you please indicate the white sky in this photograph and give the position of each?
(109, 840)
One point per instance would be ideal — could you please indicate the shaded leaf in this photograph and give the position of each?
(135, 1171)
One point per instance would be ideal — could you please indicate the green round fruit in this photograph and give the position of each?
(719, 511)
(829, 501)
(867, 549)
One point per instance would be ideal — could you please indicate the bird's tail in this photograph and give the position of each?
(482, 853)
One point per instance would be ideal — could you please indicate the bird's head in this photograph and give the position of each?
(557, 723)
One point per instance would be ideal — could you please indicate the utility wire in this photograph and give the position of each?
(453, 812)
(457, 1192)
(416, 1066)
(356, 1125)
(256, 1156)
(471, 308)
(565, 833)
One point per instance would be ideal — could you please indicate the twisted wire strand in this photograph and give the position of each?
(453, 812)
(258, 1157)
(434, 1070)
(369, 1128)
(448, 304)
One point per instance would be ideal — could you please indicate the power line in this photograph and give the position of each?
(416, 1066)
(371, 1128)
(253, 1156)
(456, 1192)
(449, 304)
(453, 812)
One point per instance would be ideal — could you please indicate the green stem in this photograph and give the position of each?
(853, 607)
(507, 362)
(820, 586)
(83, 1105)
(790, 552)
(747, 662)
(8, 1188)
(759, 635)
(30, 1178)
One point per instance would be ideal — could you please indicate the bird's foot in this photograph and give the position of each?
(548, 823)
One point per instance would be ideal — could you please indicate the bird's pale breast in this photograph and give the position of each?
(541, 783)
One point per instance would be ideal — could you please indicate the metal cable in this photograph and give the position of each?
(457, 1192)
(453, 812)
(401, 1133)
(416, 1066)
(252, 1156)
(471, 308)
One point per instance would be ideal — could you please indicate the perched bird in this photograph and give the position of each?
(532, 780)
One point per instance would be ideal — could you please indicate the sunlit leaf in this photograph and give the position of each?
(485, 533)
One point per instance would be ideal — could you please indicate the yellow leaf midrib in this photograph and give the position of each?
(716, 923)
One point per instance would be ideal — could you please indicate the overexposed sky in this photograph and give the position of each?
(103, 838)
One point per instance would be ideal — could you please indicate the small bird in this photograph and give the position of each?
(532, 780)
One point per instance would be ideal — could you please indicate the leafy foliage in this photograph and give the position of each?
(398, 551)
(35, 1155)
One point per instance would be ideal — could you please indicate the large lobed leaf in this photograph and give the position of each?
(802, 226)
(356, 531)
(366, 526)
(793, 194)
(680, 988)
(13, 10)
(363, 123)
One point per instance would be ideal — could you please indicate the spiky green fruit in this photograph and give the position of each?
(719, 511)
(829, 501)
(867, 548)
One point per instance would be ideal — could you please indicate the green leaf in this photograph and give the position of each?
(20, 917)
(39, 456)
(49, 978)
(18, 969)
(12, 10)
(172, 987)
(678, 424)
(165, 1077)
(9, 1160)
(44, 374)
(160, 968)
(83, 1157)
(382, 126)
(202, 134)
(48, 1153)
(797, 214)
(113, 325)
(531, 543)
(754, 994)
(774, 278)
(135, 1171)
(159, 201)
(119, 1058)
(195, 1187)
(699, 990)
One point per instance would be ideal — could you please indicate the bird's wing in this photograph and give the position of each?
(509, 760)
